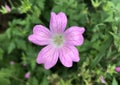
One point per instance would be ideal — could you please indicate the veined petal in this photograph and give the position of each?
(74, 54)
(41, 35)
(68, 54)
(48, 56)
(73, 35)
(58, 22)
(38, 29)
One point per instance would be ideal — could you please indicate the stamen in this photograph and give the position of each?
(58, 40)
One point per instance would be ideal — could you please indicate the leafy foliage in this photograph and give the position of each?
(99, 54)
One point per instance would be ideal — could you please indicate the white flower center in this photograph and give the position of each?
(58, 40)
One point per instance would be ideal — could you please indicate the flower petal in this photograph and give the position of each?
(58, 22)
(117, 69)
(74, 36)
(68, 54)
(27, 75)
(74, 53)
(48, 56)
(41, 35)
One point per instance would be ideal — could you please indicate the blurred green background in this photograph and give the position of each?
(100, 53)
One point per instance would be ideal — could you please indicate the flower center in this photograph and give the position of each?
(58, 40)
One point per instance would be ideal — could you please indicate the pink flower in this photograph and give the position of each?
(60, 43)
(27, 75)
(102, 79)
(7, 8)
(117, 69)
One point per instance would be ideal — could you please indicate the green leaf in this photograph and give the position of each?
(33, 64)
(8, 33)
(114, 82)
(96, 3)
(11, 47)
(4, 81)
(116, 40)
(1, 53)
(102, 52)
(44, 81)
(115, 2)
(33, 81)
(26, 6)
(3, 10)
(5, 73)
(20, 43)
(62, 82)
